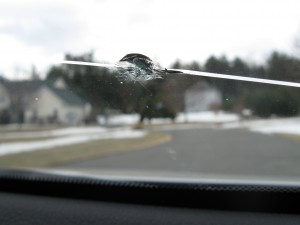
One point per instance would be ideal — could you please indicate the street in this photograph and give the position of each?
(209, 151)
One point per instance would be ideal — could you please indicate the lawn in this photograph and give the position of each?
(4, 131)
(71, 153)
(26, 129)
(10, 140)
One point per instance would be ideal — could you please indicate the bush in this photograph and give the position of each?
(157, 108)
(279, 101)
(229, 104)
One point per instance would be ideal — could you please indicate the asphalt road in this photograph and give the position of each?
(209, 151)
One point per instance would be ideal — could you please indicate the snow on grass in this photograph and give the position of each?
(268, 126)
(207, 117)
(191, 117)
(122, 119)
(284, 126)
(75, 138)
(53, 133)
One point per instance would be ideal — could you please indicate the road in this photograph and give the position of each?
(209, 151)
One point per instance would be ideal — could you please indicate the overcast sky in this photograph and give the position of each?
(35, 32)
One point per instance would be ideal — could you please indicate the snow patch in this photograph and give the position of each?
(122, 119)
(17, 147)
(53, 133)
(207, 117)
(269, 126)
(285, 126)
(200, 117)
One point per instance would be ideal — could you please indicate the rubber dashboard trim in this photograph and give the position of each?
(232, 197)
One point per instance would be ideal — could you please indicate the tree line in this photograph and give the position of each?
(104, 89)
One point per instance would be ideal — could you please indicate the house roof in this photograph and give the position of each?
(200, 85)
(68, 96)
(30, 87)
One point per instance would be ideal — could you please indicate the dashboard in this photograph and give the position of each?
(30, 197)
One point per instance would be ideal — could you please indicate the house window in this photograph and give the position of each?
(55, 113)
(54, 117)
(34, 115)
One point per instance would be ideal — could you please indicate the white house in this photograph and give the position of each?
(202, 97)
(38, 101)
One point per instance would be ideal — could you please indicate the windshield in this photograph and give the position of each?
(179, 89)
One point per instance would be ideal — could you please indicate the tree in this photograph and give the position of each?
(176, 65)
(283, 67)
(194, 66)
(297, 45)
(100, 86)
(56, 72)
(239, 67)
(279, 101)
(216, 65)
(258, 71)
(221, 65)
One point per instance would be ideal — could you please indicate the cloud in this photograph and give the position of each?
(33, 31)
(49, 25)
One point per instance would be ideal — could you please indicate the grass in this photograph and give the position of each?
(72, 153)
(35, 129)
(11, 140)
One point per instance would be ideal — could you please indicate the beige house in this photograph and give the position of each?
(202, 97)
(42, 102)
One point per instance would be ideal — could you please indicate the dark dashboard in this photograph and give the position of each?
(30, 197)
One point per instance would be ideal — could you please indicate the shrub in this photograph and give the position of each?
(157, 108)
(276, 101)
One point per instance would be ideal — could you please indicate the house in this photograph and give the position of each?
(38, 101)
(202, 97)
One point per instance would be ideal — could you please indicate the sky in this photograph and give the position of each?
(39, 33)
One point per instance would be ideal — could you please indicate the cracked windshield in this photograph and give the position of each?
(177, 89)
